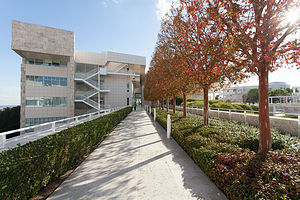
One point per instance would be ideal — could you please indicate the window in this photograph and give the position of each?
(38, 62)
(31, 102)
(127, 101)
(127, 87)
(35, 121)
(46, 62)
(46, 81)
(46, 101)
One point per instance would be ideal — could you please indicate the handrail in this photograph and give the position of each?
(54, 126)
(235, 110)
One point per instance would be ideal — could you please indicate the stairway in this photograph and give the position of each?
(87, 78)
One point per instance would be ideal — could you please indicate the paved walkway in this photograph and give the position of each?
(137, 162)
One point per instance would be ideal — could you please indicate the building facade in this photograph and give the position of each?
(58, 81)
(235, 94)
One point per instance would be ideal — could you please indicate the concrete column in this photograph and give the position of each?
(298, 125)
(2, 140)
(168, 126)
(53, 127)
(99, 95)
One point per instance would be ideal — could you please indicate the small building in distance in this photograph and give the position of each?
(235, 94)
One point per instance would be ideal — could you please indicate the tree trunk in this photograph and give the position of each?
(184, 105)
(174, 104)
(205, 106)
(167, 104)
(162, 104)
(265, 140)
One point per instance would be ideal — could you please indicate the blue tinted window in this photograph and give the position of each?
(46, 62)
(46, 101)
(46, 81)
(35, 121)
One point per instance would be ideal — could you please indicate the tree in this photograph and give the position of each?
(195, 32)
(278, 92)
(262, 39)
(289, 90)
(10, 120)
(176, 63)
(251, 96)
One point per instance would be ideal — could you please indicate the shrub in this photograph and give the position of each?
(291, 116)
(226, 152)
(26, 169)
(223, 105)
(254, 107)
(245, 106)
(213, 101)
(178, 100)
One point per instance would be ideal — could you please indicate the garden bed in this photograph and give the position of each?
(226, 152)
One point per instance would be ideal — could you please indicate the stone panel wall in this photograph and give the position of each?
(36, 38)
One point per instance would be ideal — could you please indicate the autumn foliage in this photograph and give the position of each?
(207, 44)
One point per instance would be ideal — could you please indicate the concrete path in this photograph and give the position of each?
(137, 162)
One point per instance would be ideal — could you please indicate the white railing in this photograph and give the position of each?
(288, 125)
(81, 95)
(38, 131)
(273, 113)
(91, 73)
(85, 75)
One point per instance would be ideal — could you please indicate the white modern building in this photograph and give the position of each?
(58, 81)
(235, 94)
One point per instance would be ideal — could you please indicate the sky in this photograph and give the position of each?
(125, 26)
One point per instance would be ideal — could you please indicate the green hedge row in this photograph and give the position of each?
(221, 104)
(27, 169)
(226, 152)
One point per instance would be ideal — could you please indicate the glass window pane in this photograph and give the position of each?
(38, 61)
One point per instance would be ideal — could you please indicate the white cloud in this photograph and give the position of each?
(9, 95)
(106, 2)
(163, 6)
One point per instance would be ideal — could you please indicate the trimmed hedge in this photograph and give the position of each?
(226, 152)
(27, 169)
(221, 104)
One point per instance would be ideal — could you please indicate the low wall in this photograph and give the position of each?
(285, 125)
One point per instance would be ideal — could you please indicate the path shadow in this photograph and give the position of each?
(94, 181)
(195, 180)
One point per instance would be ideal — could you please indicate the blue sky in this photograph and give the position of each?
(126, 26)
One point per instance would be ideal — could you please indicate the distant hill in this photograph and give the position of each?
(10, 119)
(9, 106)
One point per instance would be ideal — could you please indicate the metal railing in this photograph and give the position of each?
(38, 131)
(238, 110)
(287, 125)
(91, 73)
(81, 95)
